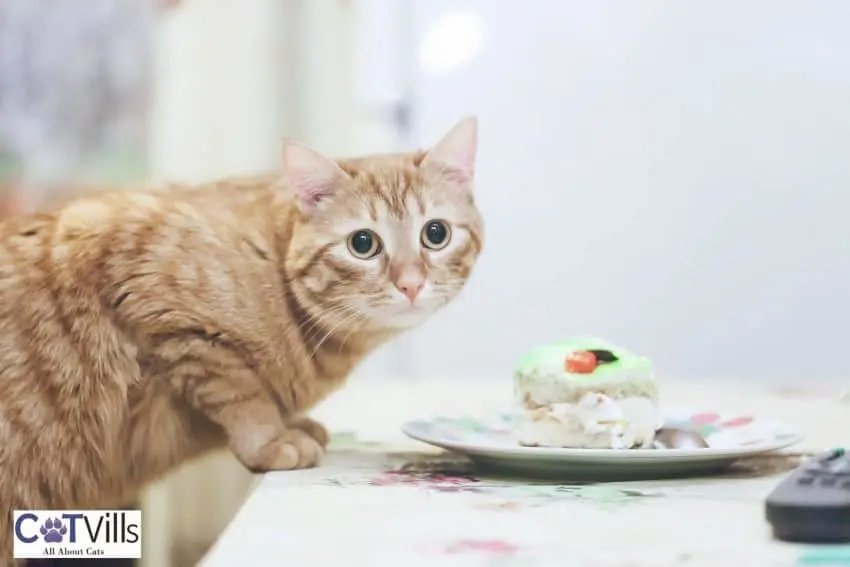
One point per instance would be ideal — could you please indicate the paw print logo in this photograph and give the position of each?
(53, 530)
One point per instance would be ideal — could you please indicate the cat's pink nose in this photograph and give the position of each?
(410, 286)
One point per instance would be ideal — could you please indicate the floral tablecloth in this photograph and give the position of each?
(382, 500)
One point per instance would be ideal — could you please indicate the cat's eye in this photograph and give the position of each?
(436, 234)
(364, 244)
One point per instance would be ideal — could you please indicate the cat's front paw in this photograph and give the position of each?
(312, 428)
(293, 449)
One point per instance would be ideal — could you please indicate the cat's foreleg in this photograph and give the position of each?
(274, 450)
(312, 428)
(257, 434)
(259, 438)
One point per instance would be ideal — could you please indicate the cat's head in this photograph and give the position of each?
(382, 242)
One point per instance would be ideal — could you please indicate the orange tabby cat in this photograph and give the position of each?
(141, 329)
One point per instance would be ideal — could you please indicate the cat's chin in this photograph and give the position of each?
(407, 318)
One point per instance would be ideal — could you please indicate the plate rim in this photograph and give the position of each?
(634, 455)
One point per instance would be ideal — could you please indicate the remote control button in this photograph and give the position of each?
(831, 455)
(806, 481)
(828, 481)
(846, 485)
(826, 461)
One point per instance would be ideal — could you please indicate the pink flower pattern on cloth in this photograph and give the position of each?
(492, 546)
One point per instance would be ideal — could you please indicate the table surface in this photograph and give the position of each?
(381, 499)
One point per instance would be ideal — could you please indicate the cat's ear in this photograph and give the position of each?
(453, 157)
(311, 175)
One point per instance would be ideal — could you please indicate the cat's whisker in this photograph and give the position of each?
(328, 309)
(331, 312)
(317, 322)
(320, 319)
(305, 325)
(355, 326)
(351, 317)
(364, 296)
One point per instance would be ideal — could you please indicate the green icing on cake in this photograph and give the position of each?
(555, 354)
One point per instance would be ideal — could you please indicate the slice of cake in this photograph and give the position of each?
(586, 393)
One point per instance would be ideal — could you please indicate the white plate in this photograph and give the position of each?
(489, 442)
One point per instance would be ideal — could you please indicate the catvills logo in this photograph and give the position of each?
(77, 533)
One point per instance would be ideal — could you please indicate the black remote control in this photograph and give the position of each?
(812, 504)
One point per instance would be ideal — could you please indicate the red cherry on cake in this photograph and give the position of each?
(580, 362)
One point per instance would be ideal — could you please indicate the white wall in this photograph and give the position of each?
(670, 175)
(220, 102)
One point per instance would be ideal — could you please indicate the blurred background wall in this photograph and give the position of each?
(670, 175)
(665, 174)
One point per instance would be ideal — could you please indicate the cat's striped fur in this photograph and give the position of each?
(141, 329)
